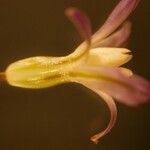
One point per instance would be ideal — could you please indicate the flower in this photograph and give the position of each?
(94, 64)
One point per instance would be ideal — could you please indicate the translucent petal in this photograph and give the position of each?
(113, 111)
(116, 18)
(117, 39)
(83, 25)
(126, 71)
(81, 22)
(130, 90)
(108, 56)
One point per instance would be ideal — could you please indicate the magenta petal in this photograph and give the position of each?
(116, 18)
(131, 91)
(113, 112)
(117, 39)
(141, 85)
(81, 22)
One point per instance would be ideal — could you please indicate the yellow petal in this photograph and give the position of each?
(126, 71)
(113, 57)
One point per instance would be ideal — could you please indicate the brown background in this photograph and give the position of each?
(64, 117)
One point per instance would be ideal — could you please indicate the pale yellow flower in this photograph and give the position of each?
(94, 64)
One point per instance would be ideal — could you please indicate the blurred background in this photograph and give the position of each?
(66, 116)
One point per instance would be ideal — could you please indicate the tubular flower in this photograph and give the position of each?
(95, 63)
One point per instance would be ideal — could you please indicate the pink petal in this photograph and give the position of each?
(113, 111)
(81, 22)
(143, 86)
(117, 39)
(116, 18)
(130, 90)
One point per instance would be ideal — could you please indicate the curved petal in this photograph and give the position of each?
(83, 25)
(113, 111)
(81, 22)
(116, 18)
(117, 39)
(108, 56)
(130, 90)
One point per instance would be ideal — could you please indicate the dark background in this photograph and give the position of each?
(66, 116)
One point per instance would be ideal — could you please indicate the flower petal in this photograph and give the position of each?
(117, 39)
(108, 56)
(116, 18)
(130, 90)
(126, 71)
(83, 25)
(113, 111)
(81, 22)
